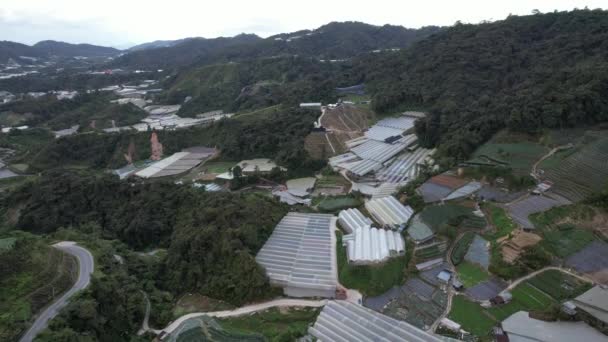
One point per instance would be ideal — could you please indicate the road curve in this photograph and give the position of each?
(247, 310)
(85, 268)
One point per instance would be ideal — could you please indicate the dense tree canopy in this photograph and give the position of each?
(525, 73)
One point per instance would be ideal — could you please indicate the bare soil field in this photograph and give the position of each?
(347, 118)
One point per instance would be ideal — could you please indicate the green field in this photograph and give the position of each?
(502, 222)
(471, 274)
(371, 280)
(429, 252)
(471, 316)
(218, 166)
(526, 298)
(540, 293)
(519, 156)
(273, 324)
(559, 285)
(461, 248)
(335, 203)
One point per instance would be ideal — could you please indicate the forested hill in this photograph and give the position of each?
(527, 72)
(332, 41)
(47, 48)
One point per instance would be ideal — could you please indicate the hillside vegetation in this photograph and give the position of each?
(524, 73)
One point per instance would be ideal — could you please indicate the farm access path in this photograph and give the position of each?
(244, 310)
(86, 265)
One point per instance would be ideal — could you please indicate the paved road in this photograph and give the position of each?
(86, 266)
(247, 310)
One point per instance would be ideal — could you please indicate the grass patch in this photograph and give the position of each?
(461, 248)
(502, 222)
(194, 302)
(273, 324)
(257, 114)
(471, 274)
(218, 166)
(471, 316)
(371, 280)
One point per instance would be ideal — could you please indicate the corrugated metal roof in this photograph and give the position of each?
(389, 211)
(521, 327)
(381, 133)
(351, 219)
(362, 167)
(378, 151)
(299, 253)
(594, 302)
(385, 190)
(367, 245)
(342, 321)
(404, 166)
(342, 158)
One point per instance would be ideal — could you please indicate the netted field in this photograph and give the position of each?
(479, 252)
(335, 203)
(420, 312)
(431, 252)
(581, 173)
(437, 215)
(521, 210)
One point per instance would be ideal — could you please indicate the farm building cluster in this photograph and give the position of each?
(385, 158)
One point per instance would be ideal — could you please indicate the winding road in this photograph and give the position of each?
(86, 266)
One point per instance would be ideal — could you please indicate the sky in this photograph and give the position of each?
(122, 23)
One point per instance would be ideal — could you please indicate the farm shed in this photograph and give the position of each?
(419, 231)
(368, 245)
(300, 255)
(344, 321)
(594, 305)
(389, 212)
(351, 219)
(176, 164)
(521, 327)
(301, 187)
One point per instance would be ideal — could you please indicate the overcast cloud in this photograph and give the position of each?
(125, 22)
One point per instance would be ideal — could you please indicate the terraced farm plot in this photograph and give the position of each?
(323, 145)
(526, 298)
(566, 240)
(415, 309)
(581, 173)
(432, 252)
(518, 156)
(461, 248)
(559, 285)
(335, 203)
